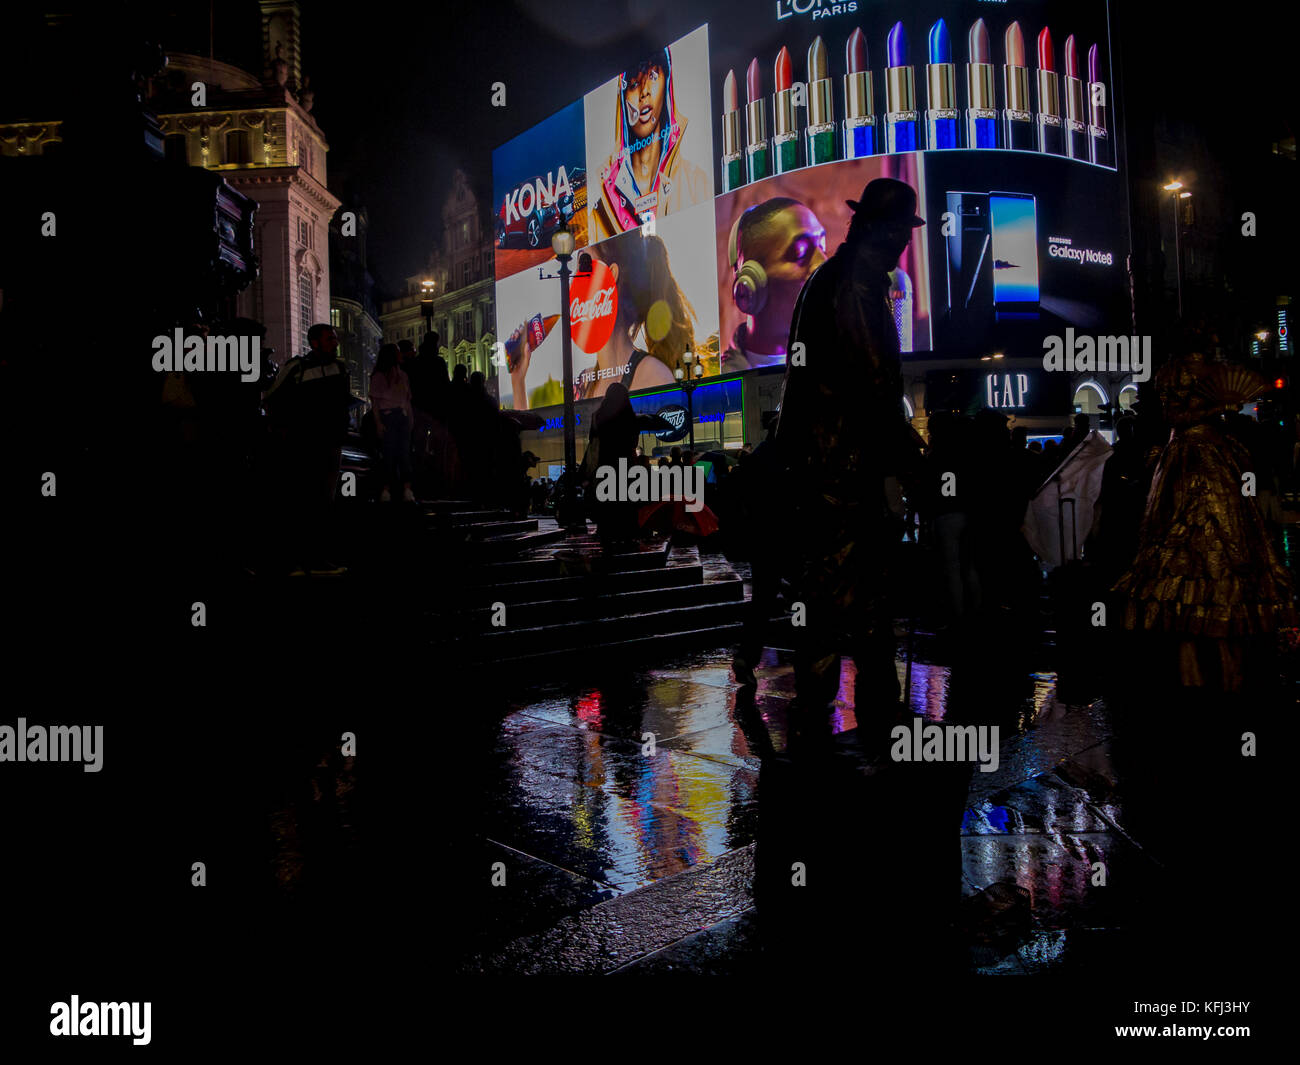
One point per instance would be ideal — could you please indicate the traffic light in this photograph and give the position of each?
(1274, 405)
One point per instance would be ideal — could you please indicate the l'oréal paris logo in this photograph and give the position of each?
(816, 8)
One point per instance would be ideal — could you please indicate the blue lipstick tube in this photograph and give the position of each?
(860, 123)
(942, 119)
(982, 114)
(901, 118)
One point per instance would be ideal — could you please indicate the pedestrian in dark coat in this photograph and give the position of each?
(843, 432)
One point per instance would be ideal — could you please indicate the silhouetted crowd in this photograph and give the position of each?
(461, 444)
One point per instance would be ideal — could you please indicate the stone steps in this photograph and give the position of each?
(579, 605)
(564, 594)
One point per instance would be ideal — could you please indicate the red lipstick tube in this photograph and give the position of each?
(1076, 120)
(1051, 130)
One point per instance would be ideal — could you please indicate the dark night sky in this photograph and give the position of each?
(405, 99)
(403, 94)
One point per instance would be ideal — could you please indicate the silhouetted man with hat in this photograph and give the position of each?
(843, 433)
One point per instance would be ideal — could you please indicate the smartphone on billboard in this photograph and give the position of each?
(970, 261)
(1015, 251)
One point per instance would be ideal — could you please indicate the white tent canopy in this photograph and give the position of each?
(1077, 478)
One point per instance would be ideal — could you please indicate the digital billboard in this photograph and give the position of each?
(538, 180)
(723, 162)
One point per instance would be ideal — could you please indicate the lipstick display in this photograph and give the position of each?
(982, 109)
(785, 133)
(1017, 121)
(1051, 131)
(1099, 144)
(900, 96)
(733, 165)
(757, 160)
(820, 134)
(859, 100)
(1076, 126)
(941, 117)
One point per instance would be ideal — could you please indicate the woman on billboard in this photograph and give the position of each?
(647, 175)
(648, 301)
(631, 291)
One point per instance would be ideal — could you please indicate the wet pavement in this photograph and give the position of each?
(622, 858)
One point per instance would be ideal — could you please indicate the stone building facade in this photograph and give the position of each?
(461, 270)
(258, 132)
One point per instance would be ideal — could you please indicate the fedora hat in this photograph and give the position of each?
(887, 200)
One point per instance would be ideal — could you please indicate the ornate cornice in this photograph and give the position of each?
(284, 175)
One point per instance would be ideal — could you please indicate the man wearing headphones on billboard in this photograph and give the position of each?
(774, 248)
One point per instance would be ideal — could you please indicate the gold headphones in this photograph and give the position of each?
(749, 290)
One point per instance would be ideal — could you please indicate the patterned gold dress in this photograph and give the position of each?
(1207, 571)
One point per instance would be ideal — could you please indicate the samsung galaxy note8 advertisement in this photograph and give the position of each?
(750, 134)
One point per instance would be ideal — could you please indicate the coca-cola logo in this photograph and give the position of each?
(601, 304)
(593, 308)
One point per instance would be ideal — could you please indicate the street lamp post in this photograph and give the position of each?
(1175, 189)
(689, 384)
(562, 244)
(426, 305)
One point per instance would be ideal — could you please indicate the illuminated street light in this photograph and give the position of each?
(1175, 189)
(563, 245)
(426, 305)
(687, 378)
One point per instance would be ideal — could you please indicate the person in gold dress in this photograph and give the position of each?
(1207, 575)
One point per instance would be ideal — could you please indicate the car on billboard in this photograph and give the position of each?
(535, 228)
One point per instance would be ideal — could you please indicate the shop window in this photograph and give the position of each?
(1089, 399)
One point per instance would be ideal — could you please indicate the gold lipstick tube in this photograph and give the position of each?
(901, 126)
(942, 121)
(821, 103)
(733, 158)
(1016, 81)
(785, 133)
(757, 160)
(820, 134)
(1076, 129)
(731, 133)
(900, 90)
(783, 107)
(982, 107)
(979, 87)
(1051, 133)
(756, 121)
(1017, 119)
(860, 115)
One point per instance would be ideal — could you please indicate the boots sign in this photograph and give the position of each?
(674, 415)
